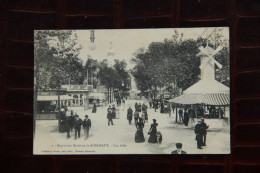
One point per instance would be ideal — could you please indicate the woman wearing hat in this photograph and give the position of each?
(139, 135)
(152, 132)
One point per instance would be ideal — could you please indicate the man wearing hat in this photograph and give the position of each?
(179, 149)
(110, 117)
(77, 126)
(86, 126)
(204, 131)
(109, 108)
(199, 131)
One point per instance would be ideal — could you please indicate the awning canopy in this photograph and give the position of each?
(217, 99)
(54, 98)
(207, 86)
(209, 92)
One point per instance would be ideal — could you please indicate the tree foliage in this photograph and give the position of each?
(56, 58)
(174, 64)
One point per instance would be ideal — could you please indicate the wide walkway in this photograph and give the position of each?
(119, 139)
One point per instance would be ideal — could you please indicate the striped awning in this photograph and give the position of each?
(217, 99)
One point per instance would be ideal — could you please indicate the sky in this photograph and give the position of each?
(125, 42)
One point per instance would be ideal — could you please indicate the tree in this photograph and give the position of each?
(90, 71)
(56, 59)
(174, 63)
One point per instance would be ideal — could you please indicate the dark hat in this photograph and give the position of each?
(154, 119)
(178, 145)
(86, 116)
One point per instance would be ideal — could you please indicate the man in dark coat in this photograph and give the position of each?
(199, 132)
(156, 106)
(181, 115)
(129, 114)
(71, 120)
(86, 126)
(77, 126)
(109, 108)
(179, 149)
(186, 118)
(204, 131)
(110, 117)
(139, 107)
(136, 106)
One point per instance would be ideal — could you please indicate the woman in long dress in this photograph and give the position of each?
(94, 110)
(152, 132)
(117, 112)
(139, 135)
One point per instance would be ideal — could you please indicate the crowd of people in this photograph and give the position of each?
(70, 122)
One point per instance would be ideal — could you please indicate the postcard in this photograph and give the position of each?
(132, 91)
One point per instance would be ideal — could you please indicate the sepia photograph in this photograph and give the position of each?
(132, 91)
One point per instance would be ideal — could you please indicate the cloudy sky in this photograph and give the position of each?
(126, 42)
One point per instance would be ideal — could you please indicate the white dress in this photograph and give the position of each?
(117, 113)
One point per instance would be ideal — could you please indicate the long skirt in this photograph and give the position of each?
(113, 115)
(94, 110)
(152, 138)
(139, 136)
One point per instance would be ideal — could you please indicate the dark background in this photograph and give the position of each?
(20, 17)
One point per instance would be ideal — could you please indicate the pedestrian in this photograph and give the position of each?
(117, 112)
(146, 116)
(144, 107)
(136, 116)
(109, 108)
(77, 126)
(162, 108)
(139, 107)
(143, 116)
(186, 118)
(113, 111)
(94, 110)
(150, 104)
(179, 149)
(204, 131)
(152, 132)
(136, 106)
(181, 114)
(86, 126)
(199, 133)
(67, 127)
(110, 117)
(192, 114)
(159, 137)
(170, 109)
(156, 106)
(139, 135)
(71, 120)
(129, 115)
